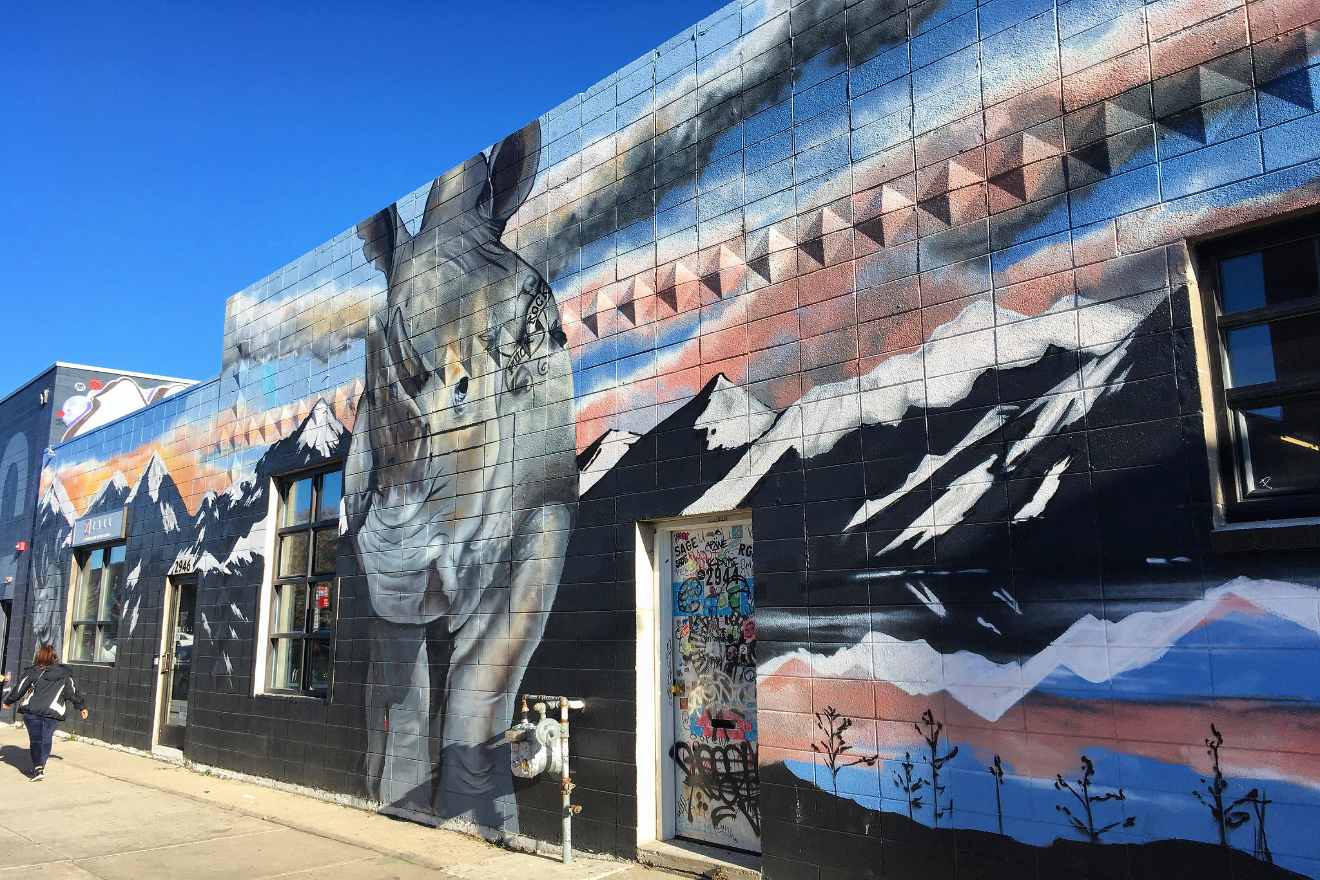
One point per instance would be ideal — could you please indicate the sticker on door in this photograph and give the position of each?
(713, 686)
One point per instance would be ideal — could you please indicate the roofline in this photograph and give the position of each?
(28, 383)
(193, 385)
(125, 372)
(57, 364)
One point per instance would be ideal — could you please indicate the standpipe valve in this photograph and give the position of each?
(550, 736)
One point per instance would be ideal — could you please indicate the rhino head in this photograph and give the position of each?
(467, 371)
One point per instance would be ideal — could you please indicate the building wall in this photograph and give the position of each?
(75, 399)
(27, 424)
(908, 283)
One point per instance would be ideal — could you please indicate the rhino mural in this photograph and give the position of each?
(460, 529)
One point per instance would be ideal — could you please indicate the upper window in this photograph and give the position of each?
(98, 605)
(1266, 311)
(304, 596)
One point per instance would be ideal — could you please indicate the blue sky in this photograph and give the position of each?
(158, 157)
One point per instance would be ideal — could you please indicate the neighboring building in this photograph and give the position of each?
(64, 401)
(899, 424)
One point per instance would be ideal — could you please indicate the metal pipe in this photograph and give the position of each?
(565, 785)
(565, 781)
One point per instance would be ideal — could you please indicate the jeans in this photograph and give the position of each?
(41, 735)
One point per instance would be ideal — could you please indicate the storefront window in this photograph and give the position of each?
(98, 605)
(1265, 311)
(304, 597)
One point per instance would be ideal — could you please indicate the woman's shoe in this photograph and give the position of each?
(38, 774)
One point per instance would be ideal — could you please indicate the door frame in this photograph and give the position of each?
(169, 611)
(656, 783)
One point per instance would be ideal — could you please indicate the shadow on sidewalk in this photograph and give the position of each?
(18, 758)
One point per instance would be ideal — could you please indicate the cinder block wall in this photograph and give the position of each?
(911, 283)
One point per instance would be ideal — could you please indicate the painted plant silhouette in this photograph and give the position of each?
(997, 771)
(930, 731)
(1229, 816)
(910, 785)
(834, 747)
(1261, 848)
(1085, 824)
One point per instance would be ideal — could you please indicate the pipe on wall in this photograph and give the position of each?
(569, 809)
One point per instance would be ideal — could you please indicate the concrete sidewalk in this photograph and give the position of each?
(108, 814)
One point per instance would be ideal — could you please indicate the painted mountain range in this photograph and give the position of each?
(916, 601)
(223, 540)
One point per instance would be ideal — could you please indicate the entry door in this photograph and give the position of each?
(176, 665)
(713, 690)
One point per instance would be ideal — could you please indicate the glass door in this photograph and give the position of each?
(176, 665)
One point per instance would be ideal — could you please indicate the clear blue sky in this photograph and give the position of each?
(157, 157)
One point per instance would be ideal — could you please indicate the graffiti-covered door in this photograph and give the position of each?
(712, 659)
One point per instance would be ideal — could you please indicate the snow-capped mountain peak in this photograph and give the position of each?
(238, 492)
(604, 454)
(56, 500)
(112, 494)
(321, 431)
(732, 417)
(152, 477)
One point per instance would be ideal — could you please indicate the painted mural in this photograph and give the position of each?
(31, 420)
(96, 402)
(460, 533)
(909, 283)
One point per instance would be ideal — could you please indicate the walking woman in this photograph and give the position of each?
(43, 691)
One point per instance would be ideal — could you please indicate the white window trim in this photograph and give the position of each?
(267, 584)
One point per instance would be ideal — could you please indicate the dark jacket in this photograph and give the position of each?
(46, 692)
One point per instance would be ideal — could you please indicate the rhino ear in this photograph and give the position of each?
(378, 233)
(513, 164)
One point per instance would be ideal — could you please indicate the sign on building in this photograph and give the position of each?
(108, 526)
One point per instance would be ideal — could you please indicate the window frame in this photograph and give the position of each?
(82, 568)
(1229, 449)
(307, 581)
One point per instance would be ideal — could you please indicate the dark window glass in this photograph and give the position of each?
(303, 607)
(318, 665)
(289, 608)
(323, 557)
(84, 640)
(1272, 277)
(1283, 446)
(286, 665)
(98, 605)
(1242, 283)
(89, 604)
(1268, 323)
(298, 503)
(327, 500)
(293, 554)
(113, 597)
(1274, 352)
